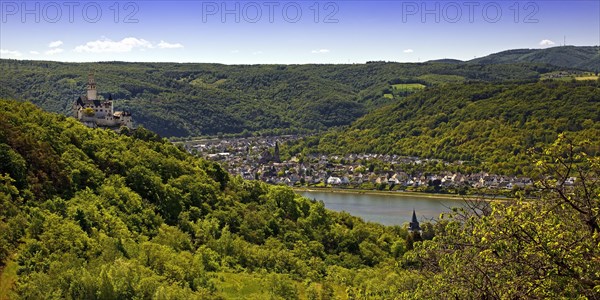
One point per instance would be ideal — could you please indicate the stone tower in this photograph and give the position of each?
(91, 88)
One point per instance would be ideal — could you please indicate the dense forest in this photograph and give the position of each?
(207, 99)
(488, 125)
(94, 214)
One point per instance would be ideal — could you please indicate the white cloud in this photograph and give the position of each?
(408, 51)
(55, 44)
(235, 51)
(34, 52)
(547, 43)
(107, 45)
(54, 51)
(257, 52)
(320, 51)
(6, 52)
(165, 45)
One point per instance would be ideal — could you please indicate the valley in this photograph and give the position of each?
(299, 181)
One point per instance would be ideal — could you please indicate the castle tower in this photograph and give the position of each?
(91, 89)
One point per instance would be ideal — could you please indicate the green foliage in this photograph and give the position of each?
(99, 215)
(209, 99)
(535, 248)
(281, 287)
(489, 125)
(94, 214)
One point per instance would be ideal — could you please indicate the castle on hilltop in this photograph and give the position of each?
(99, 113)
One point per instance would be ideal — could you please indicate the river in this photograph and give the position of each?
(385, 209)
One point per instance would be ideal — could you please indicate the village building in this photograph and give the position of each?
(92, 112)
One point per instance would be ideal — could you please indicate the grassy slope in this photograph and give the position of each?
(91, 213)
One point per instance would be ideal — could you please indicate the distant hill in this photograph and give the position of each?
(447, 61)
(585, 58)
(207, 99)
(571, 57)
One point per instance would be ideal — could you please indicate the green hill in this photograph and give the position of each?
(487, 124)
(92, 214)
(207, 99)
(584, 58)
(447, 61)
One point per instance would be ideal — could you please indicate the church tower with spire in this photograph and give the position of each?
(414, 226)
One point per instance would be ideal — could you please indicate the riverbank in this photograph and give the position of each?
(399, 194)
(374, 192)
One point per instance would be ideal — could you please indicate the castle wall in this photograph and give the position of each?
(127, 121)
(103, 119)
(108, 122)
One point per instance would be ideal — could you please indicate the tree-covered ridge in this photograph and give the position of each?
(489, 124)
(584, 58)
(206, 99)
(92, 214)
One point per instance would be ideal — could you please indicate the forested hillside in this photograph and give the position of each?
(584, 58)
(491, 125)
(206, 99)
(92, 214)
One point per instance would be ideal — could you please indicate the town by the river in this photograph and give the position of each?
(374, 185)
(257, 158)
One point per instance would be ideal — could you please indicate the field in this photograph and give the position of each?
(441, 78)
(404, 89)
(591, 77)
(241, 286)
(561, 76)
(408, 86)
(261, 286)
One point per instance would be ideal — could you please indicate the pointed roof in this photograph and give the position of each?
(414, 223)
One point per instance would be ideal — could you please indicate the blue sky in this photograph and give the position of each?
(290, 32)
